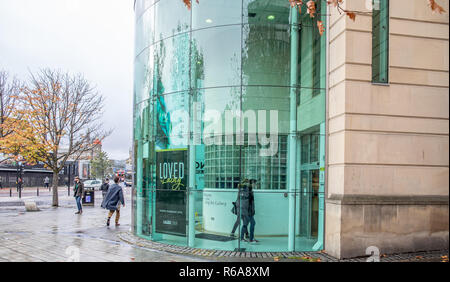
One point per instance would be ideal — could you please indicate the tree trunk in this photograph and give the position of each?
(55, 189)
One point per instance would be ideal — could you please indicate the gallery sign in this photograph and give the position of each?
(171, 182)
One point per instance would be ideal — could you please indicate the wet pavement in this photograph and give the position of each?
(57, 235)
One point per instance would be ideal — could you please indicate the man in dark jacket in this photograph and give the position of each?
(246, 206)
(78, 193)
(105, 187)
(113, 199)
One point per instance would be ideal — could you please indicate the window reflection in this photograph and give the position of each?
(220, 49)
(176, 19)
(209, 13)
(236, 56)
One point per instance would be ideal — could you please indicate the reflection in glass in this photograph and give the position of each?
(266, 47)
(235, 58)
(176, 19)
(172, 64)
(220, 50)
(266, 11)
(210, 13)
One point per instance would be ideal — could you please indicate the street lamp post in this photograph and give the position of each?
(68, 179)
(19, 179)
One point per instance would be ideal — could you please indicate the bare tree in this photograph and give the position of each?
(64, 111)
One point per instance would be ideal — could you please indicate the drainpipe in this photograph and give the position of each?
(293, 127)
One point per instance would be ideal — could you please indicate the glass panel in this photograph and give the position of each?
(380, 41)
(310, 192)
(209, 89)
(266, 48)
(145, 30)
(170, 198)
(208, 13)
(217, 52)
(141, 6)
(217, 227)
(173, 18)
(144, 75)
(140, 199)
(312, 56)
(266, 11)
(271, 170)
(266, 54)
(172, 121)
(269, 106)
(172, 64)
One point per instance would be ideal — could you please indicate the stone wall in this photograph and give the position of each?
(388, 145)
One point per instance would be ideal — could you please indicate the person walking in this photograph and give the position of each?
(47, 182)
(246, 203)
(19, 184)
(78, 193)
(104, 188)
(113, 199)
(235, 210)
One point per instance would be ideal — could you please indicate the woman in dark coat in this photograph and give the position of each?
(112, 200)
(246, 206)
(78, 193)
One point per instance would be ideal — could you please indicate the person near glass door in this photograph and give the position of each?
(246, 202)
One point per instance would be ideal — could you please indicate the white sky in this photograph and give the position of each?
(92, 37)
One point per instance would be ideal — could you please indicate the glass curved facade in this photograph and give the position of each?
(227, 91)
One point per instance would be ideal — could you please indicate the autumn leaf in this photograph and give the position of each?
(320, 27)
(435, 7)
(335, 3)
(297, 3)
(188, 3)
(311, 8)
(351, 15)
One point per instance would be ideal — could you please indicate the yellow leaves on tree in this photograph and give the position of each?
(21, 142)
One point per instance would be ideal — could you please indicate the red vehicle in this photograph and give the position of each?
(121, 175)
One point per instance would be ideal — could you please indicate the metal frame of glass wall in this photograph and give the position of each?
(211, 86)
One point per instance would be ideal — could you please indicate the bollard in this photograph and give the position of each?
(10, 192)
(20, 193)
(37, 191)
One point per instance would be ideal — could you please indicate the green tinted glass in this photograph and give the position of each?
(380, 41)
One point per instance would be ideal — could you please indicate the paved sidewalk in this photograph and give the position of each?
(53, 233)
(56, 234)
(230, 256)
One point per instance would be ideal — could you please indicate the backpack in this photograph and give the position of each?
(234, 208)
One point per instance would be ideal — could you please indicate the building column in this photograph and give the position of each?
(292, 141)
